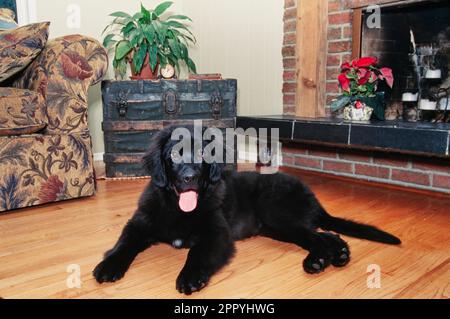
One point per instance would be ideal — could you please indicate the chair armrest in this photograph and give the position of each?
(62, 73)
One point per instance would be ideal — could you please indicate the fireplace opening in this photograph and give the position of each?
(413, 40)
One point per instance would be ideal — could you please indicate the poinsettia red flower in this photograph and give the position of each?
(75, 66)
(388, 76)
(373, 77)
(362, 73)
(364, 80)
(344, 82)
(50, 190)
(358, 104)
(365, 62)
(345, 66)
(363, 76)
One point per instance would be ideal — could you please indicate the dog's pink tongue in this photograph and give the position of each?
(188, 201)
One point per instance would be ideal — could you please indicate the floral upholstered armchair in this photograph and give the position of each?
(45, 146)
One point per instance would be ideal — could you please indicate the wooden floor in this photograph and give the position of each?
(38, 244)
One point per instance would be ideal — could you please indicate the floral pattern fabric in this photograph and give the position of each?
(58, 164)
(18, 47)
(62, 74)
(21, 108)
(39, 169)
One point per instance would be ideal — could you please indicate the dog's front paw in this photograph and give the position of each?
(109, 270)
(189, 281)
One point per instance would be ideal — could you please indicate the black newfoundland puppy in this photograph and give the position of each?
(205, 209)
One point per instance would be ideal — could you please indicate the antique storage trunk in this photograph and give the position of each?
(134, 110)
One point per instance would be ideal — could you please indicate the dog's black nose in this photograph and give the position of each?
(190, 177)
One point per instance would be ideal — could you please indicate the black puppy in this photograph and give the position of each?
(201, 207)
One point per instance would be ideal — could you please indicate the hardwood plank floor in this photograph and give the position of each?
(38, 244)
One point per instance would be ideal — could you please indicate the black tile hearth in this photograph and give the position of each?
(284, 125)
(398, 138)
(328, 132)
(391, 136)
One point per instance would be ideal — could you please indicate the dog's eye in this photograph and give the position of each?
(176, 156)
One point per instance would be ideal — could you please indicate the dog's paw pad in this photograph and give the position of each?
(341, 258)
(317, 266)
(314, 265)
(191, 281)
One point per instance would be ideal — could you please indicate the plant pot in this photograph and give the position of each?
(377, 103)
(146, 71)
(364, 113)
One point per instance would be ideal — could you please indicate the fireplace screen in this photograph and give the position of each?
(413, 40)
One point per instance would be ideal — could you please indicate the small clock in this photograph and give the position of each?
(168, 72)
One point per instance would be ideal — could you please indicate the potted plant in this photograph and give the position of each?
(359, 81)
(145, 40)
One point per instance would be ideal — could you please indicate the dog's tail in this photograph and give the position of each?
(357, 230)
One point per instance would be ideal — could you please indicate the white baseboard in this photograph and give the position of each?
(98, 157)
(243, 155)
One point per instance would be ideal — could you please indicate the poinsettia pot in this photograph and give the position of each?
(376, 102)
(357, 111)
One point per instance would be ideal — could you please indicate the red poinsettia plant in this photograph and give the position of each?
(360, 78)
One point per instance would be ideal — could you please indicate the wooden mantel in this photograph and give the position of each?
(312, 20)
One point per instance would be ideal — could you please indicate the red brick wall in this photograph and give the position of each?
(339, 44)
(404, 170)
(289, 58)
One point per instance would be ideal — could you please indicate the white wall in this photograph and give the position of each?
(239, 38)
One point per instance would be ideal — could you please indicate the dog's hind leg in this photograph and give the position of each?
(324, 248)
(339, 249)
(319, 246)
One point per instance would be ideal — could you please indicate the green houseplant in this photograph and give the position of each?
(145, 40)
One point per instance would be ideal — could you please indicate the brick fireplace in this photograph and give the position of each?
(383, 164)
(341, 45)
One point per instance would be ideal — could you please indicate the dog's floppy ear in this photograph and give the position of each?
(215, 172)
(153, 160)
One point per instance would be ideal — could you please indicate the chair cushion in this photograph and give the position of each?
(7, 19)
(38, 169)
(19, 47)
(22, 130)
(20, 108)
